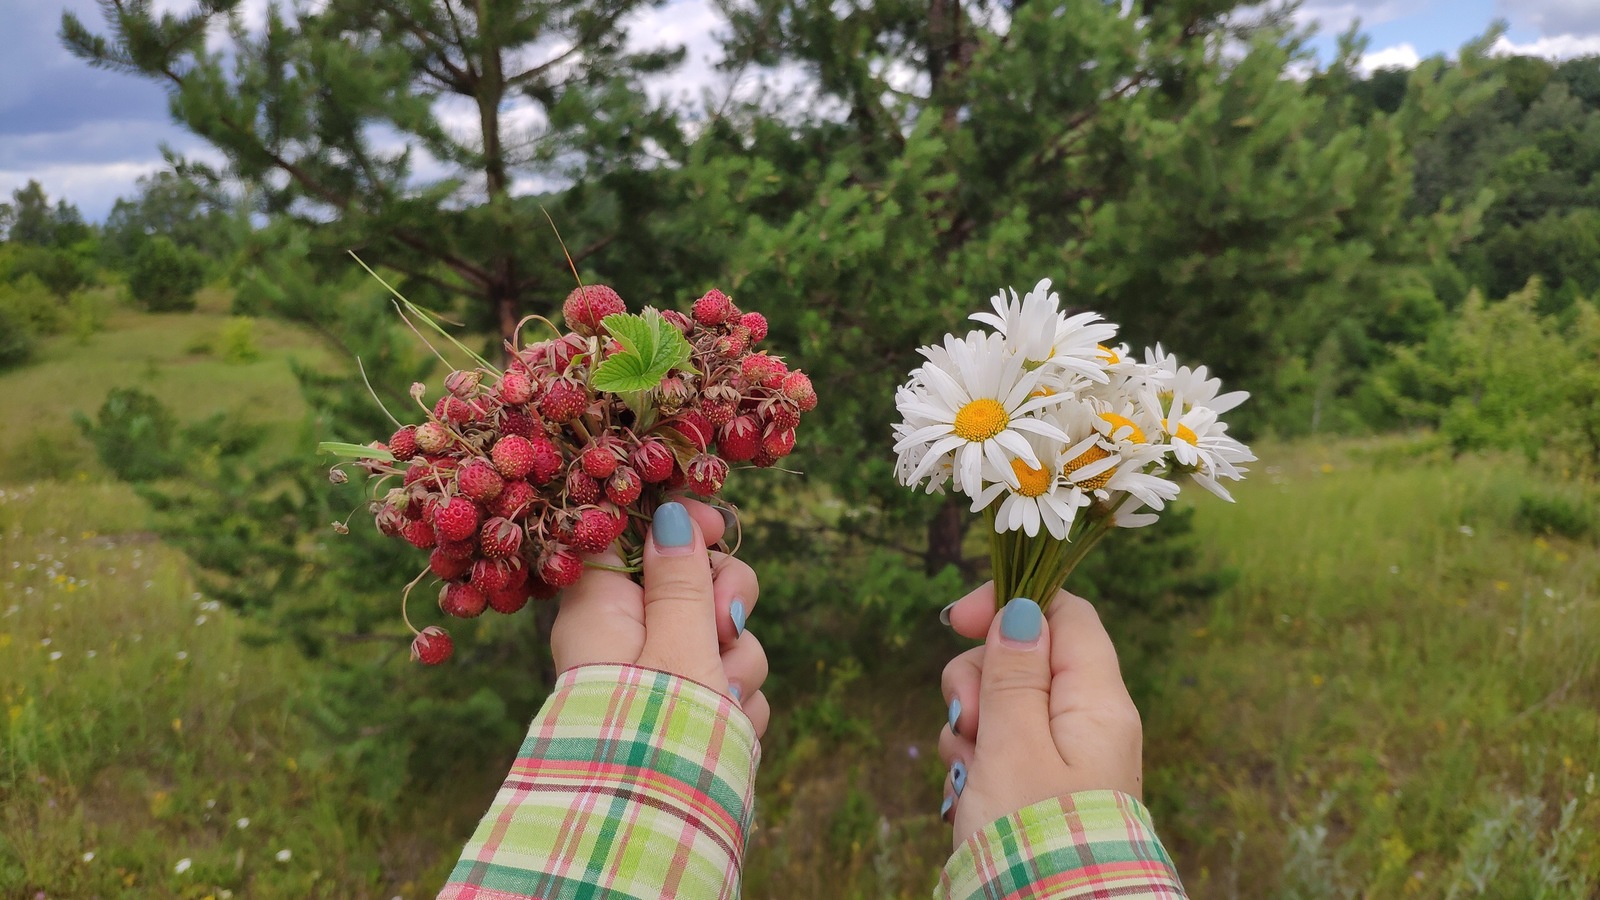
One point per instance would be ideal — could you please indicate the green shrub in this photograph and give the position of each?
(16, 340)
(33, 304)
(1555, 514)
(237, 343)
(87, 313)
(135, 435)
(62, 271)
(164, 277)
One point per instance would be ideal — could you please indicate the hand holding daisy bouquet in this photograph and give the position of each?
(1057, 435)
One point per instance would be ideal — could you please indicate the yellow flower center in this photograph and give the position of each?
(1035, 482)
(1120, 422)
(1094, 453)
(981, 420)
(1109, 355)
(1043, 391)
(1184, 432)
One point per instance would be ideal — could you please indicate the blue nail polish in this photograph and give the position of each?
(736, 613)
(958, 776)
(944, 614)
(735, 693)
(671, 527)
(955, 713)
(1021, 621)
(944, 808)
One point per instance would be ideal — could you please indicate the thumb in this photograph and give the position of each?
(1014, 692)
(680, 613)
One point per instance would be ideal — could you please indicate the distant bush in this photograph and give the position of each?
(135, 435)
(34, 305)
(60, 270)
(16, 340)
(237, 343)
(1555, 514)
(164, 277)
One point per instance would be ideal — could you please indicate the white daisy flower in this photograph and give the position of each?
(1035, 329)
(284, 855)
(1192, 384)
(1041, 495)
(183, 865)
(1200, 445)
(976, 399)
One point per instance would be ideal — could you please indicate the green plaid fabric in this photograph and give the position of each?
(632, 783)
(1094, 844)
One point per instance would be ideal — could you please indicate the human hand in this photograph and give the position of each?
(1055, 715)
(687, 619)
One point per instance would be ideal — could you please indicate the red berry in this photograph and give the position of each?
(403, 443)
(446, 568)
(797, 387)
(781, 412)
(490, 575)
(678, 320)
(451, 408)
(515, 388)
(462, 600)
(581, 488)
(714, 308)
(563, 401)
(757, 323)
(564, 352)
(733, 344)
(459, 550)
(596, 529)
(706, 474)
(431, 646)
(540, 589)
(500, 538)
(432, 437)
(778, 442)
(515, 500)
(586, 306)
(546, 460)
(418, 534)
(719, 412)
(513, 456)
(598, 460)
(509, 600)
(623, 487)
(694, 426)
(740, 439)
(390, 519)
(653, 460)
(560, 567)
(456, 520)
(519, 424)
(763, 459)
(463, 384)
(479, 481)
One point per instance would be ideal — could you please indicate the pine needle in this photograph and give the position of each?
(426, 316)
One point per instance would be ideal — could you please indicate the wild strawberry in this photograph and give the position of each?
(390, 519)
(694, 426)
(778, 442)
(581, 488)
(451, 408)
(740, 439)
(403, 443)
(462, 600)
(598, 460)
(534, 355)
(490, 575)
(714, 308)
(718, 413)
(678, 480)
(509, 600)
(587, 305)
(763, 459)
(706, 474)
(673, 394)
(546, 460)
(757, 323)
(431, 646)
(446, 568)
(456, 519)
(596, 529)
(781, 412)
(479, 481)
(519, 423)
(678, 320)
(560, 567)
(432, 437)
(565, 352)
(563, 401)
(624, 486)
(515, 388)
(797, 387)
(652, 459)
(463, 384)
(418, 534)
(764, 370)
(513, 456)
(514, 501)
(540, 589)
(500, 538)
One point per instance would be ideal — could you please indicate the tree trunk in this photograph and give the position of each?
(945, 533)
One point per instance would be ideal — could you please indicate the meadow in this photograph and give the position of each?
(1395, 695)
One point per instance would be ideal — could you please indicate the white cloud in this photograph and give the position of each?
(1401, 56)
(1337, 17)
(1558, 46)
(1554, 18)
(92, 187)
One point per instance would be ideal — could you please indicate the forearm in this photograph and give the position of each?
(1089, 844)
(631, 781)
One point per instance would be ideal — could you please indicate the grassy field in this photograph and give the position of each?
(1397, 696)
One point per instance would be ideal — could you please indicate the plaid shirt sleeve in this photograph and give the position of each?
(1094, 844)
(632, 783)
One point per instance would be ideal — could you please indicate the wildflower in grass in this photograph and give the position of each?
(88, 856)
(183, 865)
(182, 655)
(284, 855)
(1058, 436)
(243, 823)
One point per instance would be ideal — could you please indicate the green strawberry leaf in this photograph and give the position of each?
(354, 451)
(651, 347)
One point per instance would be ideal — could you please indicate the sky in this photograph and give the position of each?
(88, 134)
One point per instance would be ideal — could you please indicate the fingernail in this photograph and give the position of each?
(944, 614)
(955, 713)
(671, 529)
(1021, 621)
(730, 521)
(736, 613)
(735, 693)
(958, 776)
(944, 808)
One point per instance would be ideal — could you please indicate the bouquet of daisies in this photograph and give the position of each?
(1057, 435)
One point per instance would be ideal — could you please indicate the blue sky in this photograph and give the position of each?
(88, 134)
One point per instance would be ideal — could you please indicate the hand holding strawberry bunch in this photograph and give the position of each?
(517, 476)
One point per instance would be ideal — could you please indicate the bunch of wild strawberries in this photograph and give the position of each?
(516, 476)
